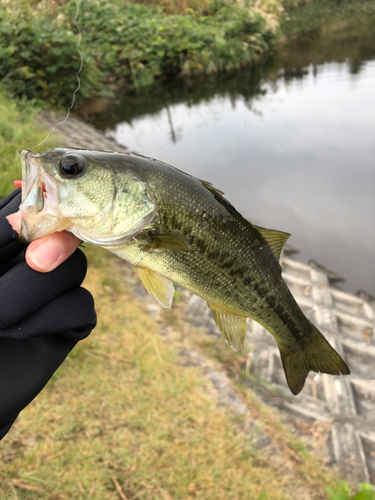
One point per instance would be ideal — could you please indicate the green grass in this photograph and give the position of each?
(18, 130)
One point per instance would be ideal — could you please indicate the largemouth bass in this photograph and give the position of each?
(175, 228)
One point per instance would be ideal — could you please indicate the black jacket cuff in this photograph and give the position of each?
(10, 246)
(4, 430)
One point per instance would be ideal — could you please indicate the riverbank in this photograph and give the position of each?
(125, 45)
(133, 45)
(306, 20)
(219, 413)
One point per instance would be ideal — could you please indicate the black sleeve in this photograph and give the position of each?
(42, 316)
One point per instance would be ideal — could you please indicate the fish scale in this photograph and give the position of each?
(178, 229)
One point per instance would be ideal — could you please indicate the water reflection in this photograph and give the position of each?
(290, 142)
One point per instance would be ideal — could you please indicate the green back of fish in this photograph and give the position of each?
(229, 262)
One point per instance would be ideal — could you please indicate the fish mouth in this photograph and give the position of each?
(39, 205)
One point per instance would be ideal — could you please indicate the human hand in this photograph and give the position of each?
(45, 254)
(42, 314)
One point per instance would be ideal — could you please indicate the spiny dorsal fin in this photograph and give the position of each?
(275, 239)
(232, 326)
(160, 288)
(168, 242)
(209, 186)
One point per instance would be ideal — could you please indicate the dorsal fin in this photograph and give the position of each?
(275, 239)
(232, 326)
(211, 188)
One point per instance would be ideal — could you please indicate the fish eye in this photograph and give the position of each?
(71, 166)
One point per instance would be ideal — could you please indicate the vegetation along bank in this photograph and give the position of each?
(126, 45)
(137, 43)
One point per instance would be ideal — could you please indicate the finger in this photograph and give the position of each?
(45, 254)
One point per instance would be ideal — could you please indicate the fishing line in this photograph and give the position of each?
(79, 32)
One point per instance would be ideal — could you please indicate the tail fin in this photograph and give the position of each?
(317, 355)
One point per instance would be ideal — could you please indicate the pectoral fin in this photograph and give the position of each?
(160, 288)
(232, 326)
(168, 242)
(275, 239)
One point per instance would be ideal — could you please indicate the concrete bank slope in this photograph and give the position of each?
(335, 415)
(76, 133)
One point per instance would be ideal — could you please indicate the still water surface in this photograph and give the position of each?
(292, 150)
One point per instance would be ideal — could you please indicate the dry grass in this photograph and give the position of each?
(305, 475)
(121, 411)
(178, 6)
(169, 6)
(122, 419)
(204, 7)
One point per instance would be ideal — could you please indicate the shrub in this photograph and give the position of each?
(123, 45)
(135, 45)
(38, 56)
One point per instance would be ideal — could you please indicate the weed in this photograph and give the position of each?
(366, 492)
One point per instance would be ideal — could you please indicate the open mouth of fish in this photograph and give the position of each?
(43, 211)
(39, 206)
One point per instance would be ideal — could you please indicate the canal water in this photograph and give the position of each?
(291, 142)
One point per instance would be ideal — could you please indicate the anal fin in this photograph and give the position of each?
(160, 288)
(232, 326)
